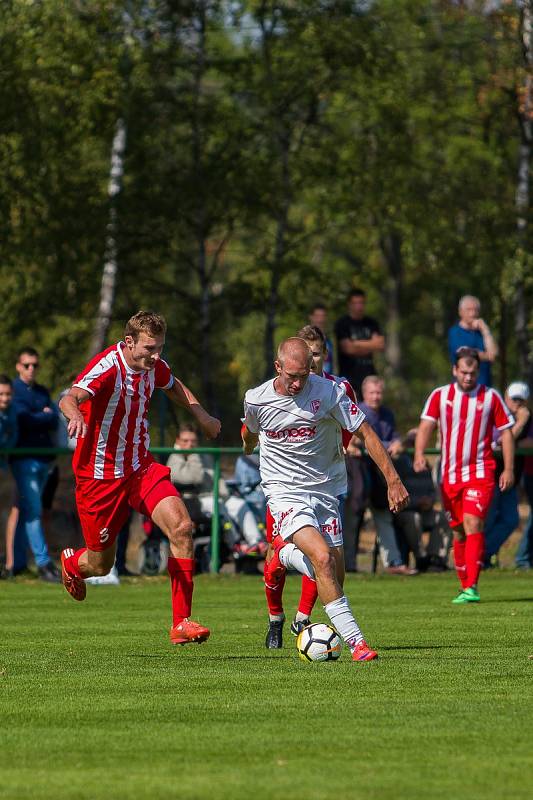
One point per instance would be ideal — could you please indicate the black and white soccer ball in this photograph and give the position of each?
(319, 642)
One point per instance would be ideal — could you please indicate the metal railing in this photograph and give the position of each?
(217, 453)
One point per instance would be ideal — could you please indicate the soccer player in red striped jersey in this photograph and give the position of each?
(107, 411)
(275, 578)
(467, 413)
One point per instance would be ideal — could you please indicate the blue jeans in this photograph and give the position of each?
(524, 552)
(501, 521)
(30, 476)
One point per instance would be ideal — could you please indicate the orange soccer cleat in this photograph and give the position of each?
(362, 652)
(75, 586)
(189, 631)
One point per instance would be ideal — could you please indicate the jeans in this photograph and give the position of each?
(501, 521)
(30, 476)
(524, 553)
(388, 545)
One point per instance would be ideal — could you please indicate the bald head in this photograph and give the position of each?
(292, 365)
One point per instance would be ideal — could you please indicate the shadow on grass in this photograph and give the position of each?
(419, 647)
(212, 657)
(508, 600)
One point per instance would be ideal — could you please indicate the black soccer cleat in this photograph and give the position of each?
(274, 637)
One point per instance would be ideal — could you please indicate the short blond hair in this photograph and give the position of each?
(145, 322)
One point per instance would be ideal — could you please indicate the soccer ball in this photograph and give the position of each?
(319, 642)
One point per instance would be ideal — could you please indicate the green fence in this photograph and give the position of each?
(217, 453)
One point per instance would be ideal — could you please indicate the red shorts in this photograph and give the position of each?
(473, 498)
(104, 505)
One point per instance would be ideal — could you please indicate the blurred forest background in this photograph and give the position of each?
(231, 163)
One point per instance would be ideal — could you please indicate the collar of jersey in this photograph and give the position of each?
(120, 346)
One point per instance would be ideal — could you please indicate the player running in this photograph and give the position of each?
(467, 413)
(274, 578)
(297, 419)
(107, 410)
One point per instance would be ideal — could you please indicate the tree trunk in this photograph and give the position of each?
(391, 247)
(109, 274)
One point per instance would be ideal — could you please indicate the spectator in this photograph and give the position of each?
(381, 419)
(503, 517)
(421, 517)
(8, 438)
(37, 419)
(247, 481)
(355, 504)
(318, 317)
(524, 552)
(472, 331)
(193, 475)
(358, 338)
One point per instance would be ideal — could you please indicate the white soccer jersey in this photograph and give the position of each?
(300, 436)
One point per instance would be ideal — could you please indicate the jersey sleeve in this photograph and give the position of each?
(250, 416)
(432, 408)
(502, 416)
(345, 411)
(350, 391)
(96, 376)
(164, 378)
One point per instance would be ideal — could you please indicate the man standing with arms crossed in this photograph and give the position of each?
(467, 413)
(107, 410)
(297, 418)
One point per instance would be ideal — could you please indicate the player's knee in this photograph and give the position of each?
(324, 562)
(181, 530)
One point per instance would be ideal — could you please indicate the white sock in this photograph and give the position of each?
(292, 558)
(276, 617)
(343, 620)
(299, 617)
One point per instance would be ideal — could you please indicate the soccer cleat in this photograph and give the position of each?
(273, 571)
(362, 652)
(470, 595)
(274, 637)
(189, 631)
(297, 625)
(75, 586)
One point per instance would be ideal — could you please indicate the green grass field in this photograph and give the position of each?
(95, 703)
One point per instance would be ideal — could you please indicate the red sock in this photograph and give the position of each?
(459, 558)
(474, 550)
(181, 571)
(308, 596)
(274, 596)
(71, 563)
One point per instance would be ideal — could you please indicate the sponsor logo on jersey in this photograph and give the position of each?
(302, 434)
(104, 535)
(315, 405)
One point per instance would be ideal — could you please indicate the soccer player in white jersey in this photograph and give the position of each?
(467, 413)
(107, 409)
(297, 419)
(274, 573)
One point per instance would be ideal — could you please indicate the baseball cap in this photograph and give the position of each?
(518, 390)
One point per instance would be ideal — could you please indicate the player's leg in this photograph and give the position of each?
(476, 502)
(315, 548)
(453, 508)
(274, 574)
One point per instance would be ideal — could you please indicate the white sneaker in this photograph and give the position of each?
(111, 579)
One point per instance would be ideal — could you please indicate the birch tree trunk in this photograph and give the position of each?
(391, 247)
(109, 273)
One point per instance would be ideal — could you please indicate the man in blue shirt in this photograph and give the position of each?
(37, 419)
(472, 331)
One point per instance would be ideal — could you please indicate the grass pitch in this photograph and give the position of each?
(95, 703)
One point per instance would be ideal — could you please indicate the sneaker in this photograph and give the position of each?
(470, 595)
(274, 637)
(297, 625)
(111, 579)
(273, 571)
(75, 586)
(189, 631)
(362, 652)
(49, 573)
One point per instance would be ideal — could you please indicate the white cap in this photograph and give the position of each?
(518, 390)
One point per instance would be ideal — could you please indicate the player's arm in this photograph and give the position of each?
(182, 396)
(507, 476)
(249, 440)
(423, 435)
(397, 493)
(70, 408)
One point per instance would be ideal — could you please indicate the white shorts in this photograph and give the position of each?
(292, 512)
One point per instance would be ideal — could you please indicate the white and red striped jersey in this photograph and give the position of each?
(348, 388)
(117, 437)
(466, 423)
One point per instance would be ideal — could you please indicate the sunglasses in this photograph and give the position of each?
(29, 364)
